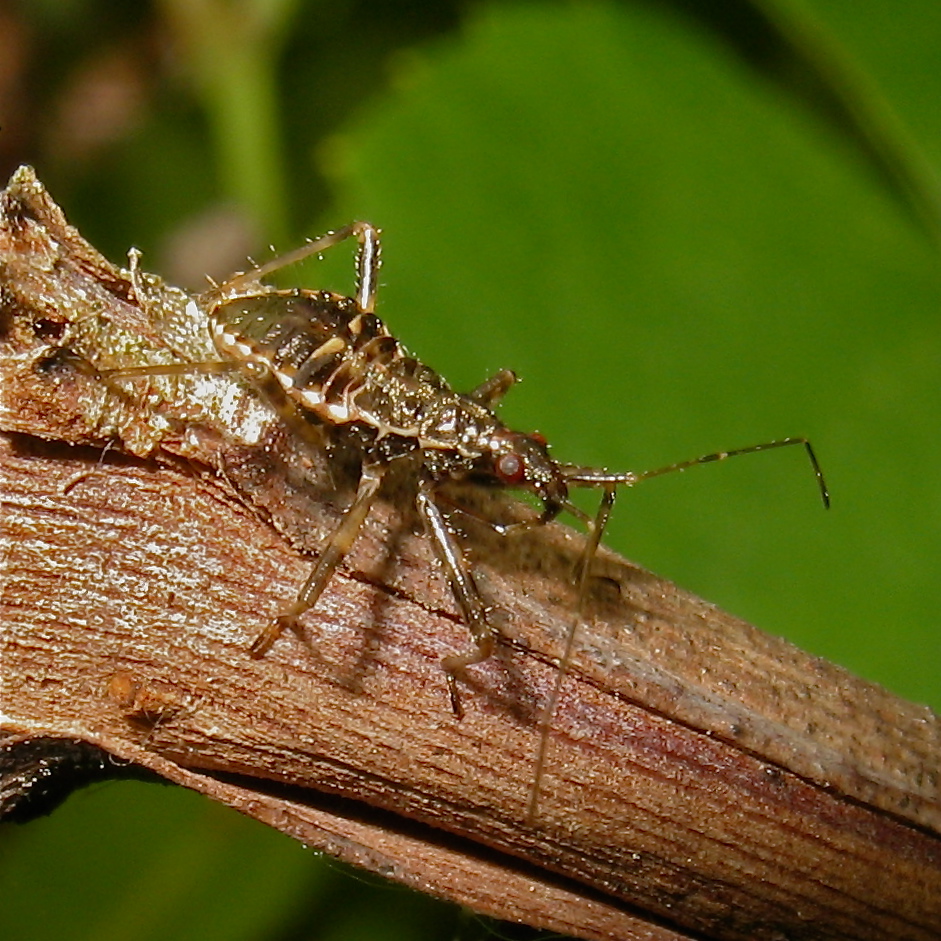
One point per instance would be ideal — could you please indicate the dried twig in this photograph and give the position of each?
(704, 780)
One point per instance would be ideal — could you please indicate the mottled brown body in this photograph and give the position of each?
(339, 365)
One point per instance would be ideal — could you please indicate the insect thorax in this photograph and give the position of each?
(340, 366)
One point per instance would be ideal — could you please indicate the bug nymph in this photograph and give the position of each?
(327, 363)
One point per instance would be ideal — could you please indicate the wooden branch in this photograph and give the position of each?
(703, 780)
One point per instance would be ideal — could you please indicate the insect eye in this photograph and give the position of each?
(510, 468)
(539, 438)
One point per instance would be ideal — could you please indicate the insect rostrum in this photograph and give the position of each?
(327, 362)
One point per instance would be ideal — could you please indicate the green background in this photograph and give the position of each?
(683, 236)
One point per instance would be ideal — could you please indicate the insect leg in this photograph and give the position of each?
(158, 369)
(465, 593)
(134, 256)
(596, 477)
(337, 547)
(367, 264)
(212, 367)
(368, 261)
(490, 392)
(596, 528)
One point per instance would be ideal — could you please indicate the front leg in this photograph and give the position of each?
(491, 391)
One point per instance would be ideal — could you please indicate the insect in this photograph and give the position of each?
(323, 360)
(144, 704)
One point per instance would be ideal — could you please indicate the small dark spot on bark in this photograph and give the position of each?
(606, 589)
(14, 212)
(8, 311)
(57, 360)
(48, 329)
(773, 775)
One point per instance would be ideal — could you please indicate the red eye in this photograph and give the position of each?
(539, 438)
(510, 468)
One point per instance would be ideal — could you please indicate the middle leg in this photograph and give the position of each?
(465, 592)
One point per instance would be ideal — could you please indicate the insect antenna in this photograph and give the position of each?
(596, 477)
(596, 528)
(593, 477)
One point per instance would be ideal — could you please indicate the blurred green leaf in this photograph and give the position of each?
(783, 43)
(233, 49)
(138, 869)
(139, 862)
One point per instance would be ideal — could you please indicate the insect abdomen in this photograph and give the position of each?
(339, 363)
(316, 344)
